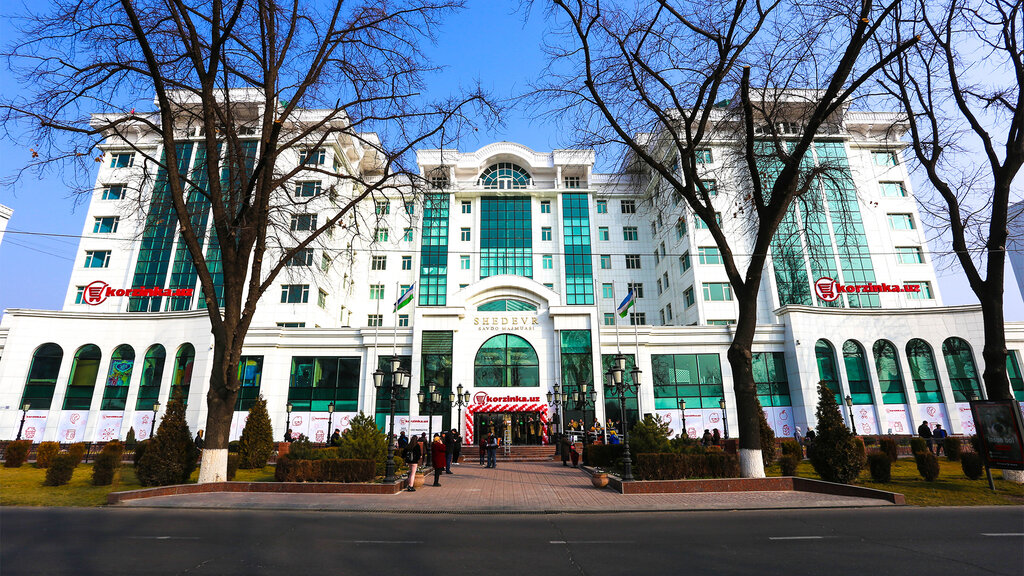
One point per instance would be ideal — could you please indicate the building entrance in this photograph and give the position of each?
(515, 428)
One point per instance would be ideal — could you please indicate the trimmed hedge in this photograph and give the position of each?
(918, 444)
(16, 453)
(107, 463)
(890, 448)
(605, 455)
(62, 466)
(880, 466)
(953, 448)
(788, 463)
(927, 465)
(233, 461)
(682, 466)
(290, 470)
(792, 447)
(77, 450)
(45, 453)
(972, 465)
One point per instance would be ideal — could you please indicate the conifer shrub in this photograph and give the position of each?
(649, 435)
(257, 441)
(171, 455)
(972, 465)
(835, 456)
(976, 444)
(792, 447)
(768, 449)
(107, 463)
(918, 444)
(45, 453)
(927, 465)
(130, 441)
(233, 461)
(16, 453)
(140, 449)
(364, 441)
(880, 466)
(889, 447)
(953, 447)
(62, 466)
(862, 452)
(78, 451)
(788, 464)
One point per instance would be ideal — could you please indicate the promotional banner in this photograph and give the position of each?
(966, 419)
(897, 419)
(71, 426)
(143, 423)
(417, 425)
(109, 426)
(864, 419)
(934, 414)
(35, 425)
(780, 418)
(671, 418)
(314, 425)
(237, 424)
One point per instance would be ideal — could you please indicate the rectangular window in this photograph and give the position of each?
(602, 206)
(711, 186)
(602, 233)
(406, 262)
(703, 156)
(607, 291)
(410, 207)
(382, 207)
(374, 320)
(688, 297)
(114, 192)
(438, 182)
(709, 255)
(696, 378)
(632, 261)
(660, 290)
(302, 257)
(291, 324)
(294, 293)
(545, 234)
(464, 262)
(407, 235)
(721, 322)
(122, 160)
(657, 258)
(883, 158)
(465, 235)
(700, 224)
(314, 157)
(909, 255)
(668, 311)
(572, 181)
(637, 288)
(661, 248)
(467, 207)
(303, 222)
(664, 278)
(717, 291)
(925, 292)
(97, 258)
(606, 262)
(545, 207)
(549, 286)
(321, 298)
(325, 262)
(307, 189)
(684, 262)
(680, 229)
(105, 225)
(403, 320)
(630, 233)
(316, 382)
(609, 319)
(637, 318)
(376, 291)
(901, 222)
(547, 262)
(770, 379)
(379, 263)
(661, 316)
(628, 206)
(381, 235)
(654, 228)
(79, 294)
(893, 189)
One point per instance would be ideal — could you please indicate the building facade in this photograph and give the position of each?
(518, 260)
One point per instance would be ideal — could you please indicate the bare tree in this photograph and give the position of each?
(761, 79)
(255, 84)
(959, 88)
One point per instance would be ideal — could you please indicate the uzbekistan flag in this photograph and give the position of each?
(404, 299)
(626, 304)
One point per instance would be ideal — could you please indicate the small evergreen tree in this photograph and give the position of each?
(767, 438)
(364, 441)
(835, 457)
(129, 440)
(257, 441)
(649, 436)
(171, 455)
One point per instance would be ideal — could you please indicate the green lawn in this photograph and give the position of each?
(951, 488)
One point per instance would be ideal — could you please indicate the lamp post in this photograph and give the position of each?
(399, 380)
(459, 399)
(682, 415)
(330, 421)
(24, 413)
(621, 387)
(582, 398)
(557, 400)
(431, 400)
(725, 419)
(152, 425)
(849, 406)
(288, 425)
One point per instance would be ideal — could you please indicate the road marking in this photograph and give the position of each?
(590, 542)
(383, 541)
(1004, 534)
(796, 537)
(163, 537)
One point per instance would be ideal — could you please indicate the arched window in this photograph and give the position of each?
(83, 378)
(152, 376)
(890, 379)
(507, 361)
(181, 379)
(857, 372)
(923, 372)
(963, 376)
(504, 176)
(507, 305)
(118, 376)
(42, 377)
(827, 372)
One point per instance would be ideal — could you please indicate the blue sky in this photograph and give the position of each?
(488, 42)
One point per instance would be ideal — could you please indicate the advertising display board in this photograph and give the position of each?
(1001, 432)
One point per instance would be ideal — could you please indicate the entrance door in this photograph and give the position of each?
(518, 428)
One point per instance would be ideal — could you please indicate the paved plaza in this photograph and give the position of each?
(513, 487)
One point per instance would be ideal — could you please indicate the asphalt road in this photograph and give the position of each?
(862, 542)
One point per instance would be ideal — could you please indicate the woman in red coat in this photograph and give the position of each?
(437, 453)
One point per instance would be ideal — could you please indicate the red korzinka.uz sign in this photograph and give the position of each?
(95, 293)
(829, 290)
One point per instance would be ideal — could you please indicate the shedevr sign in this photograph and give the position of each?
(96, 293)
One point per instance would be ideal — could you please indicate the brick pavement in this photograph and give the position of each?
(518, 487)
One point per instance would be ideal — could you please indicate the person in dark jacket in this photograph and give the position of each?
(716, 437)
(288, 436)
(199, 440)
(336, 438)
(564, 448)
(412, 456)
(403, 441)
(449, 451)
(455, 450)
(707, 439)
(437, 453)
(940, 438)
(925, 432)
(492, 451)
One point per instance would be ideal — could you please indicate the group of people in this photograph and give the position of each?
(711, 439)
(934, 438)
(444, 450)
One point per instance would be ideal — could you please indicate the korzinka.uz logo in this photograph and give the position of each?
(97, 292)
(829, 290)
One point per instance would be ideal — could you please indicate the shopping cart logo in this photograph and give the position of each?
(826, 289)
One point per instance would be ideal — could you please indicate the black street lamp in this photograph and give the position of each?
(557, 400)
(725, 419)
(621, 387)
(849, 406)
(584, 397)
(682, 415)
(288, 425)
(330, 422)
(432, 401)
(152, 425)
(459, 399)
(399, 380)
(24, 413)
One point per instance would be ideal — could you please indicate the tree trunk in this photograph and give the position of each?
(220, 405)
(997, 385)
(747, 421)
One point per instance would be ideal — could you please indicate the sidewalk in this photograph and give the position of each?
(513, 487)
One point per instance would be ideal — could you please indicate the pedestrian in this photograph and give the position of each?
(199, 440)
(403, 441)
(613, 438)
(564, 449)
(492, 451)
(809, 442)
(457, 445)
(798, 436)
(412, 455)
(706, 439)
(925, 432)
(449, 451)
(716, 437)
(437, 453)
(940, 438)
(423, 446)
(482, 442)
(575, 455)
(288, 436)
(336, 438)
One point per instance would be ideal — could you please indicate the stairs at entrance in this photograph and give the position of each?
(518, 454)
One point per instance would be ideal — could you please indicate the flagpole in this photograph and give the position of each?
(616, 320)
(636, 359)
(394, 341)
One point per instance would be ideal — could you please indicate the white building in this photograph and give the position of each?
(518, 259)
